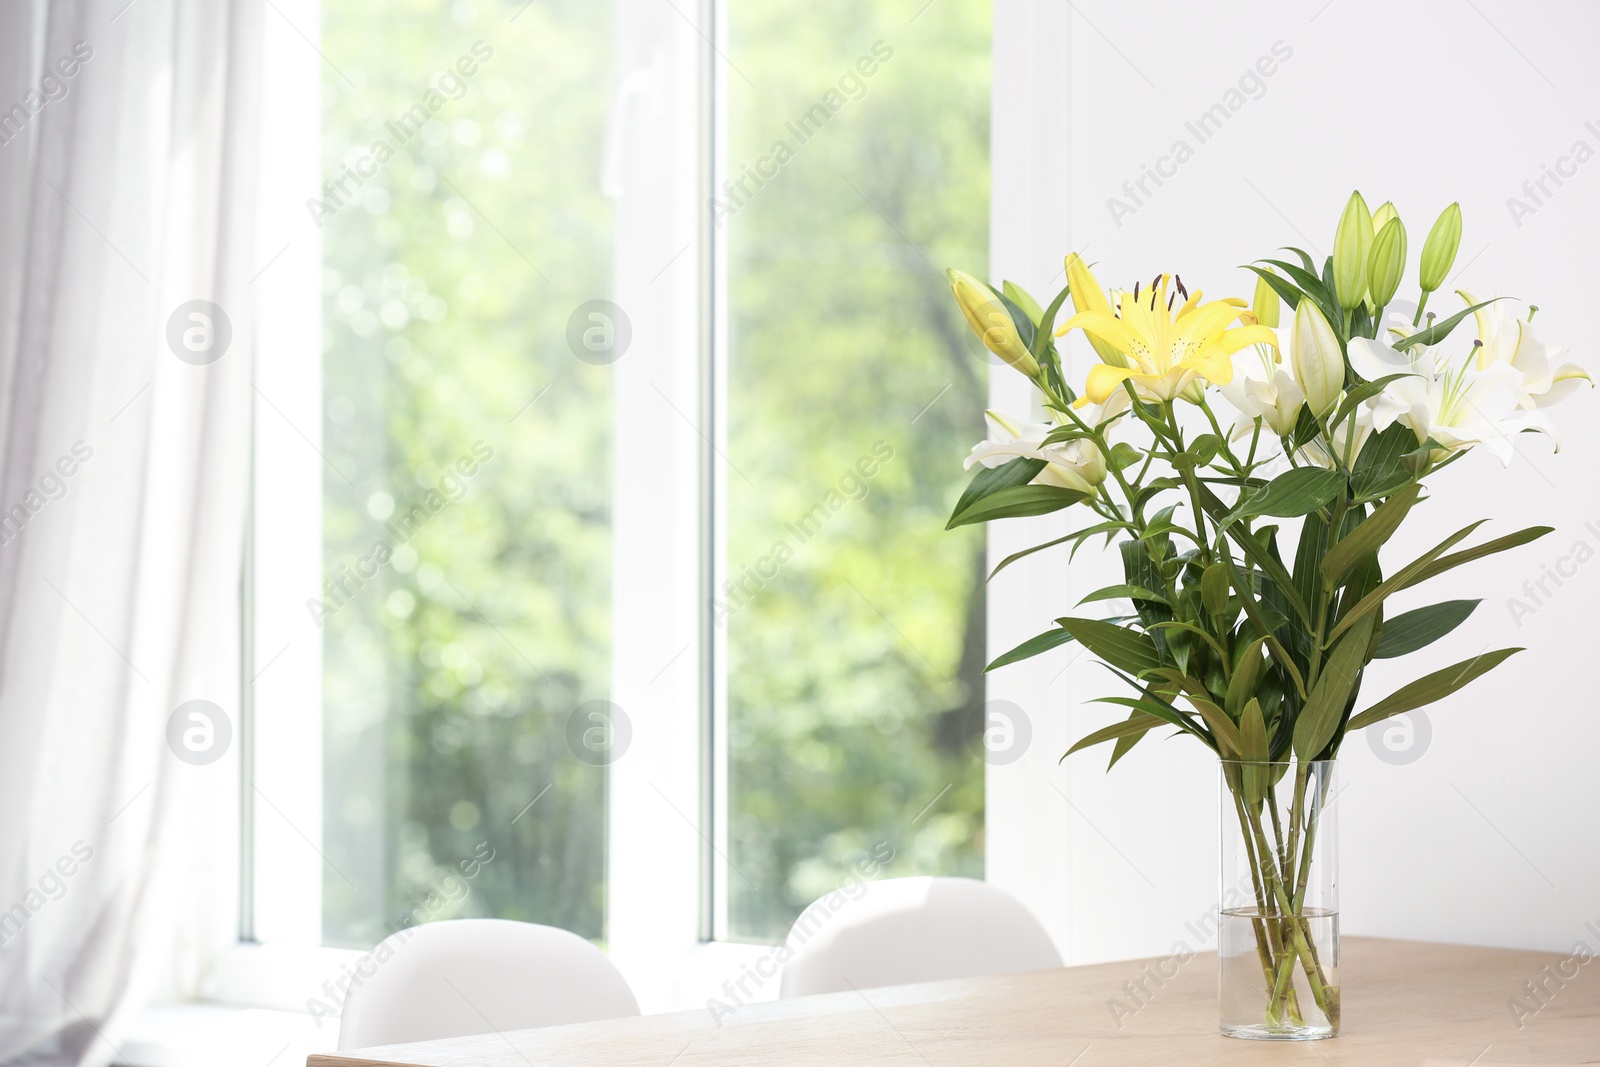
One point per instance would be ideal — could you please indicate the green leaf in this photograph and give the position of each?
(1380, 466)
(1408, 575)
(1214, 588)
(1439, 330)
(1123, 455)
(1435, 686)
(1020, 297)
(1047, 324)
(1246, 676)
(1201, 450)
(1488, 548)
(1103, 527)
(1285, 289)
(1229, 744)
(1137, 723)
(1319, 720)
(1019, 318)
(1127, 649)
(1411, 630)
(1364, 391)
(1032, 647)
(1369, 536)
(1254, 746)
(1265, 628)
(1016, 502)
(1295, 492)
(1131, 592)
(1019, 471)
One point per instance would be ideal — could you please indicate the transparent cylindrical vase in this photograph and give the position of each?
(1278, 940)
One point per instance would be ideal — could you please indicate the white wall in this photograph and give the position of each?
(1489, 836)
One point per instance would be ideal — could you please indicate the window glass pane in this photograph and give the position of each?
(857, 167)
(466, 502)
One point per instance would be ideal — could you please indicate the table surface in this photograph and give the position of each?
(1404, 1002)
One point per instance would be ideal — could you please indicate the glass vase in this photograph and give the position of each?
(1278, 938)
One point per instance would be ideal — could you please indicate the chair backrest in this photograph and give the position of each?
(476, 976)
(903, 930)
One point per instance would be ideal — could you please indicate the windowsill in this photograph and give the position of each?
(199, 1034)
(205, 1033)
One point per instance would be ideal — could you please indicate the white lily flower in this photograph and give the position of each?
(1510, 340)
(1077, 465)
(1452, 401)
(1263, 387)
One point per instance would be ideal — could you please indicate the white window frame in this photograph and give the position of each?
(666, 885)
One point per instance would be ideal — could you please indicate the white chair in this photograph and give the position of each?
(904, 930)
(477, 976)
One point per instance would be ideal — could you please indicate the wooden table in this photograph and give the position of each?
(1405, 1002)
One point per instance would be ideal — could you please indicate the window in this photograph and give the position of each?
(468, 445)
(520, 503)
(856, 168)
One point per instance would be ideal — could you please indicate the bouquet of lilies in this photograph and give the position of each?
(1252, 473)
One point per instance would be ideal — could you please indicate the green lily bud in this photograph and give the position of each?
(1387, 262)
(1352, 245)
(1314, 354)
(1439, 250)
(1265, 304)
(991, 321)
(1381, 217)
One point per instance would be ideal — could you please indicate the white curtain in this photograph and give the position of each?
(127, 135)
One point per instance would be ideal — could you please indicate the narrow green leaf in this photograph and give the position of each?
(1032, 647)
(1265, 629)
(1364, 391)
(1369, 536)
(1439, 330)
(1047, 324)
(1137, 723)
(1411, 630)
(1229, 744)
(1284, 288)
(1214, 588)
(1021, 297)
(1433, 687)
(1380, 466)
(1129, 592)
(1319, 720)
(1488, 548)
(1405, 576)
(1246, 677)
(1295, 492)
(1017, 502)
(1019, 471)
(1253, 732)
(1103, 527)
(1127, 649)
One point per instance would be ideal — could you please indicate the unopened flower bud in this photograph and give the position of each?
(1439, 250)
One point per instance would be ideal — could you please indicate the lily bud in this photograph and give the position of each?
(1265, 305)
(1385, 212)
(1388, 261)
(1439, 250)
(1352, 245)
(1318, 363)
(1086, 295)
(991, 321)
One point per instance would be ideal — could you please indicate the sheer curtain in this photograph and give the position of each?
(127, 134)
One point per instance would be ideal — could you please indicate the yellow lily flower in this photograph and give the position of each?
(1086, 295)
(1166, 351)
